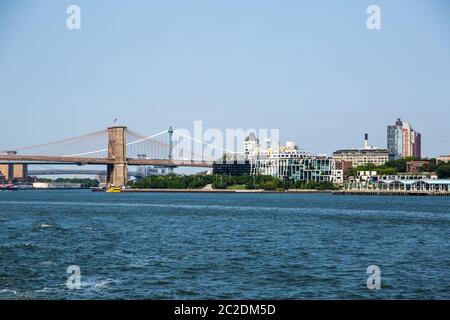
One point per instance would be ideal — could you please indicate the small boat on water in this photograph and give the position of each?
(8, 187)
(114, 189)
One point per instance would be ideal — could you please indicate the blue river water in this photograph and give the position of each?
(224, 246)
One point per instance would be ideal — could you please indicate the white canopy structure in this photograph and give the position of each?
(420, 185)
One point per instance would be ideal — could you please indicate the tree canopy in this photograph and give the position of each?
(226, 182)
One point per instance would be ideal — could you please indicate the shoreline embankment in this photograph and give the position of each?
(300, 191)
(224, 191)
(422, 193)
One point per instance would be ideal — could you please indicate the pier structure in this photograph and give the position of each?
(367, 192)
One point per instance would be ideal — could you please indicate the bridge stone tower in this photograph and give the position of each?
(117, 173)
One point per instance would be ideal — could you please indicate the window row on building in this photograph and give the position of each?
(312, 168)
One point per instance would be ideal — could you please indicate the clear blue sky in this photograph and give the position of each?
(310, 68)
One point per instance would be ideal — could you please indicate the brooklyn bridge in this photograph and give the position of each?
(121, 148)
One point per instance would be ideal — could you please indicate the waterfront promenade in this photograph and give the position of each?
(221, 191)
(392, 192)
(301, 191)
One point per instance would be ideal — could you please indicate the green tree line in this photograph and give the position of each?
(393, 167)
(246, 182)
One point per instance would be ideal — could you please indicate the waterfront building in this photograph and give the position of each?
(443, 158)
(251, 147)
(20, 172)
(5, 171)
(309, 168)
(361, 157)
(337, 176)
(56, 185)
(145, 171)
(14, 172)
(232, 168)
(408, 176)
(414, 166)
(370, 180)
(290, 162)
(343, 165)
(403, 141)
(363, 176)
(442, 185)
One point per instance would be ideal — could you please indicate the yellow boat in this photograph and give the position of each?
(114, 189)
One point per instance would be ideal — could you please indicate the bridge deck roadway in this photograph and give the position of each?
(4, 159)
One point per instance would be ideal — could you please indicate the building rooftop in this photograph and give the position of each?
(428, 181)
(252, 137)
(361, 151)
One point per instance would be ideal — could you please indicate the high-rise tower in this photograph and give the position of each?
(403, 141)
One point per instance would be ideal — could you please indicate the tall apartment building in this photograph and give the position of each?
(403, 141)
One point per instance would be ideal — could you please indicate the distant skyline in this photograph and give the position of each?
(310, 68)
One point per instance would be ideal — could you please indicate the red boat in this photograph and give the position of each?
(8, 187)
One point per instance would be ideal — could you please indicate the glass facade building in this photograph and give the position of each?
(309, 168)
(403, 141)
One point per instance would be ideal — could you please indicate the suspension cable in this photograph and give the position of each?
(61, 141)
(208, 144)
(148, 138)
(106, 149)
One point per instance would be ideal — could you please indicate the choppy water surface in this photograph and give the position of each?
(229, 246)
